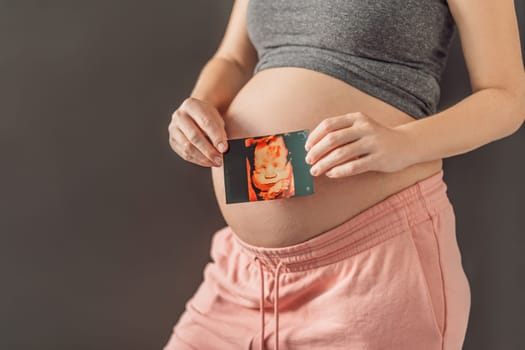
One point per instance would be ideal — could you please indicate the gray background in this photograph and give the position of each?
(104, 231)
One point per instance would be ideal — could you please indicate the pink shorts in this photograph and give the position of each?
(391, 277)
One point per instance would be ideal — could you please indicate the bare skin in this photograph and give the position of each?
(276, 100)
(228, 102)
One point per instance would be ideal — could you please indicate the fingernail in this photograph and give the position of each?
(221, 146)
(308, 159)
(313, 171)
(217, 160)
(306, 147)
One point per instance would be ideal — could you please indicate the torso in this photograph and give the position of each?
(282, 99)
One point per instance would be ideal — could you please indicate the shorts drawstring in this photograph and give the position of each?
(275, 304)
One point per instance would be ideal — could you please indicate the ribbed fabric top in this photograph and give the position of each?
(394, 50)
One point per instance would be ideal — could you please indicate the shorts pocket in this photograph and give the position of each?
(426, 247)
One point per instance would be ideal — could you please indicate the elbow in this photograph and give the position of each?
(519, 95)
(521, 100)
(521, 104)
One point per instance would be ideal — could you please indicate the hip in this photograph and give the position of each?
(391, 277)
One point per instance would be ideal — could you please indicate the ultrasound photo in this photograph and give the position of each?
(267, 167)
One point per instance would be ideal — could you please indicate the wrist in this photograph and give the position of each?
(412, 141)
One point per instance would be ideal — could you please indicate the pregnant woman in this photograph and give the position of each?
(370, 259)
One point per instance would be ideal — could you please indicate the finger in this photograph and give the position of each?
(331, 141)
(354, 167)
(209, 120)
(338, 156)
(184, 148)
(196, 136)
(326, 126)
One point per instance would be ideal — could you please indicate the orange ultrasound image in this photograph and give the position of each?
(265, 167)
(271, 174)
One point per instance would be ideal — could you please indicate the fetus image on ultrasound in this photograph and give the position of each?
(270, 175)
(267, 167)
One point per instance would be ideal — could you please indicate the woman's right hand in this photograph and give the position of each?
(197, 132)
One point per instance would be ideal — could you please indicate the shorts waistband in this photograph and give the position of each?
(387, 218)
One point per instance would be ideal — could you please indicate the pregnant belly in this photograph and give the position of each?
(284, 99)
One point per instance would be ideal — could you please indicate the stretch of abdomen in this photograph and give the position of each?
(290, 98)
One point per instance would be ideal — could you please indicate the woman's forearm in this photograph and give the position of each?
(485, 116)
(219, 81)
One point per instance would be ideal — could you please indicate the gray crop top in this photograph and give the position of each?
(394, 50)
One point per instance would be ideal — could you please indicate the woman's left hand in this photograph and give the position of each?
(354, 143)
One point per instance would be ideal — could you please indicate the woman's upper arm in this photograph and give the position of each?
(235, 45)
(490, 41)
